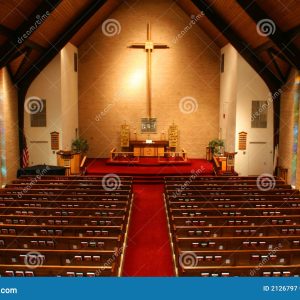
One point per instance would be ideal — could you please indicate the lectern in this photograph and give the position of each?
(225, 164)
(70, 160)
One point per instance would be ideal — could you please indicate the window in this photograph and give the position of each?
(38, 119)
(295, 134)
(222, 63)
(259, 115)
(75, 62)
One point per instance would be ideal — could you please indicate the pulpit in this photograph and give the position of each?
(149, 149)
(225, 164)
(70, 160)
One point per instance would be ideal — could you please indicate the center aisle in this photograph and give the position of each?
(148, 251)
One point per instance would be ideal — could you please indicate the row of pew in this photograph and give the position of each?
(64, 226)
(232, 226)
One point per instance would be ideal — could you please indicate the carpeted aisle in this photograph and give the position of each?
(148, 252)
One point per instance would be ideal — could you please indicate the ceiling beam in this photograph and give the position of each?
(275, 64)
(281, 40)
(6, 31)
(30, 24)
(290, 33)
(34, 46)
(23, 63)
(62, 40)
(293, 32)
(273, 82)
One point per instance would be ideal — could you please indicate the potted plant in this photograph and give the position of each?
(217, 146)
(80, 145)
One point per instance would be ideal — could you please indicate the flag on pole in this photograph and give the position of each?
(275, 160)
(25, 154)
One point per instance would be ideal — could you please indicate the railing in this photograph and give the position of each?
(125, 155)
(114, 154)
(173, 154)
(216, 165)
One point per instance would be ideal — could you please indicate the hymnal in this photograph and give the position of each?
(84, 244)
(78, 258)
(100, 244)
(92, 244)
(96, 258)
(50, 232)
(9, 273)
(50, 243)
(19, 274)
(42, 243)
(87, 258)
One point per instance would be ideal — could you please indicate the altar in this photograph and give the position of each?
(153, 149)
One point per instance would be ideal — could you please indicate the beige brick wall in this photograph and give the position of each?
(112, 81)
(10, 116)
(286, 124)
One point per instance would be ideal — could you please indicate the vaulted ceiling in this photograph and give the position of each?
(33, 32)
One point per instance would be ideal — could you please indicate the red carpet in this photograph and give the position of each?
(99, 166)
(149, 251)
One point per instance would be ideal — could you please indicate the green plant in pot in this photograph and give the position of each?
(217, 146)
(80, 145)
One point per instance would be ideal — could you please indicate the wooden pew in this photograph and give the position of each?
(72, 177)
(226, 271)
(75, 224)
(220, 183)
(95, 193)
(58, 271)
(243, 257)
(61, 230)
(65, 220)
(59, 242)
(238, 242)
(66, 182)
(66, 187)
(236, 220)
(199, 193)
(230, 231)
(234, 204)
(241, 211)
(227, 198)
(62, 203)
(70, 211)
(80, 257)
(230, 226)
(214, 178)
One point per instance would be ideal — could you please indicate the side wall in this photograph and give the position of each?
(240, 85)
(58, 84)
(46, 86)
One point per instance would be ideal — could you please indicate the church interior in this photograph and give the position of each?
(149, 138)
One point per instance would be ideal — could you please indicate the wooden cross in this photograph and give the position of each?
(149, 46)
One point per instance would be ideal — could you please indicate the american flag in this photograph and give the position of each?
(25, 154)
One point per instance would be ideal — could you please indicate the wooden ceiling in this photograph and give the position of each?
(53, 23)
